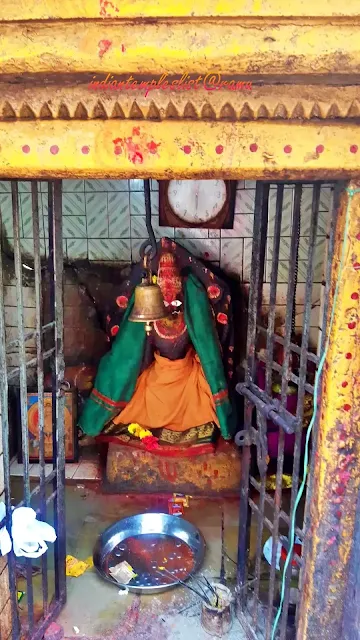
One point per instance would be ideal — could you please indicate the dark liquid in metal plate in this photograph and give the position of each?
(148, 555)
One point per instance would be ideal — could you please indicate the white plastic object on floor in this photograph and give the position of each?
(267, 550)
(5, 540)
(30, 535)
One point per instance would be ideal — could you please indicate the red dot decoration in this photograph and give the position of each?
(358, 236)
(187, 149)
(253, 147)
(355, 296)
(85, 150)
(351, 325)
(25, 148)
(54, 149)
(354, 148)
(117, 150)
(340, 490)
(347, 407)
(348, 356)
(356, 266)
(219, 149)
(320, 148)
(288, 148)
(344, 384)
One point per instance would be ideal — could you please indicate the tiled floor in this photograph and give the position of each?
(88, 468)
(95, 608)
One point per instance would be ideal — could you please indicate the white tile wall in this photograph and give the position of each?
(104, 220)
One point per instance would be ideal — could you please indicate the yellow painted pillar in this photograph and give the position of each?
(336, 480)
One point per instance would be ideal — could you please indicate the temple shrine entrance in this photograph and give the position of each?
(285, 346)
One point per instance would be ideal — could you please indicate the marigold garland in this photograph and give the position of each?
(149, 440)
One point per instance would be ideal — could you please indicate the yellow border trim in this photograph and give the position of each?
(128, 149)
(35, 10)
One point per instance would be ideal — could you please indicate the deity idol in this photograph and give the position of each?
(170, 389)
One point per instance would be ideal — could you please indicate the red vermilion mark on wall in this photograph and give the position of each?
(135, 147)
(105, 7)
(152, 146)
(167, 471)
(104, 46)
(129, 148)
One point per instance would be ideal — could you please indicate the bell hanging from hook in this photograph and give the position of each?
(149, 303)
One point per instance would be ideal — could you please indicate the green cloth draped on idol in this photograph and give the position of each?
(168, 391)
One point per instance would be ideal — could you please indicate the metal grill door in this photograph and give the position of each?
(24, 358)
(268, 511)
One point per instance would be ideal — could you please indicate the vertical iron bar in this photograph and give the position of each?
(301, 385)
(23, 385)
(330, 252)
(262, 423)
(260, 419)
(290, 292)
(40, 377)
(269, 372)
(4, 414)
(256, 278)
(273, 287)
(244, 516)
(58, 397)
(308, 301)
(294, 249)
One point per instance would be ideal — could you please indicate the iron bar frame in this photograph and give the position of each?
(50, 490)
(265, 407)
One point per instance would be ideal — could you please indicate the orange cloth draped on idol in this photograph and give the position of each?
(172, 406)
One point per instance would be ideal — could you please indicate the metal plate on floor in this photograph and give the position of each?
(161, 549)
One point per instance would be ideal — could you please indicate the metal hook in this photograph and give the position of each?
(152, 240)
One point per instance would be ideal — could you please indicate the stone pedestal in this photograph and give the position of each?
(215, 474)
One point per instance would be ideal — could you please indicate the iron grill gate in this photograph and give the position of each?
(46, 495)
(265, 513)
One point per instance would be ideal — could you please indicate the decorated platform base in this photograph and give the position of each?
(134, 471)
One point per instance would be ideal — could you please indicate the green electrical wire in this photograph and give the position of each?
(351, 193)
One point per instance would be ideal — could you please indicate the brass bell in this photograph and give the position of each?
(148, 304)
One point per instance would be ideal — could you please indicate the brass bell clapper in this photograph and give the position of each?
(148, 303)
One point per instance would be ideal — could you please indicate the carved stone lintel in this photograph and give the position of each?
(287, 103)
